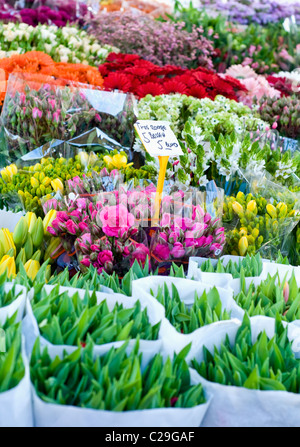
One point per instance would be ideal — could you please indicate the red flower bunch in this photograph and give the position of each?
(282, 84)
(131, 73)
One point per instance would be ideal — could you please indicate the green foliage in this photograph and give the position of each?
(206, 309)
(70, 320)
(266, 364)
(114, 381)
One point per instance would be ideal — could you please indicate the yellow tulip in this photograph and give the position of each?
(83, 158)
(252, 206)
(118, 161)
(271, 210)
(243, 245)
(34, 182)
(237, 208)
(7, 242)
(283, 209)
(32, 267)
(240, 195)
(8, 172)
(48, 219)
(7, 264)
(57, 185)
(243, 231)
(46, 182)
(31, 220)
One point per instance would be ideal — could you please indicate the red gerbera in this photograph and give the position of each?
(187, 79)
(145, 64)
(117, 81)
(121, 57)
(204, 78)
(198, 91)
(174, 86)
(149, 88)
(168, 70)
(235, 83)
(137, 71)
(221, 85)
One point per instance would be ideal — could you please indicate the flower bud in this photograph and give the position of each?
(243, 245)
(32, 267)
(237, 208)
(271, 210)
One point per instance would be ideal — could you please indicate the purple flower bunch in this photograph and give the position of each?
(162, 43)
(261, 12)
(58, 13)
(178, 238)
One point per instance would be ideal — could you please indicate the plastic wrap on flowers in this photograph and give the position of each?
(39, 109)
(116, 111)
(99, 229)
(92, 142)
(177, 238)
(261, 221)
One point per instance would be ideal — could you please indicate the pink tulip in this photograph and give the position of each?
(162, 251)
(72, 227)
(286, 292)
(86, 261)
(36, 113)
(178, 250)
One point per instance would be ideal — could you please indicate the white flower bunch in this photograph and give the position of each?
(66, 44)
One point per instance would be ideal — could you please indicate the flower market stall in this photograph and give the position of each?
(149, 213)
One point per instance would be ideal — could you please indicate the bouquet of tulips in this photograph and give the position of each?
(264, 364)
(115, 381)
(206, 309)
(258, 224)
(100, 228)
(270, 297)
(177, 238)
(11, 355)
(27, 246)
(247, 266)
(37, 112)
(67, 319)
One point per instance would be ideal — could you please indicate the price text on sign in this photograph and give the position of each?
(158, 138)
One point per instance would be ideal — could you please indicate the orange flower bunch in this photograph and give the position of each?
(153, 8)
(40, 64)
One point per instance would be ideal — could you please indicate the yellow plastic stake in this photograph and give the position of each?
(163, 162)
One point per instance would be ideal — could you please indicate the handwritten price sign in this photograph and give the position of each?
(158, 138)
(159, 141)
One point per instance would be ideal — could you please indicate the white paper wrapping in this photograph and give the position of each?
(52, 415)
(233, 406)
(154, 310)
(16, 404)
(173, 341)
(17, 305)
